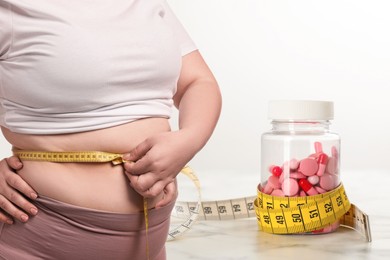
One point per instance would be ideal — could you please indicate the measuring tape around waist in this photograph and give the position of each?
(280, 215)
(63, 157)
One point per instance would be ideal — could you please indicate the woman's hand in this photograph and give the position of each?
(12, 188)
(154, 164)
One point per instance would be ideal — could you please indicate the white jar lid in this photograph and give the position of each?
(300, 110)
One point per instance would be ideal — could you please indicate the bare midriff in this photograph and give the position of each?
(101, 186)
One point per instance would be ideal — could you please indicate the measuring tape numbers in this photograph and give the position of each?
(288, 215)
(358, 220)
(292, 215)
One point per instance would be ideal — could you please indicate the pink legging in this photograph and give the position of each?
(64, 231)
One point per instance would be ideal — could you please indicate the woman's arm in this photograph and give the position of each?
(13, 193)
(156, 161)
(198, 99)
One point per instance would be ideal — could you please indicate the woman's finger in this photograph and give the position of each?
(170, 194)
(14, 163)
(5, 218)
(138, 152)
(9, 208)
(139, 167)
(142, 183)
(17, 183)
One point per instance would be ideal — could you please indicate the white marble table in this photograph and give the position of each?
(241, 239)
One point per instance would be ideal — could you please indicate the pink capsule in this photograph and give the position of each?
(331, 166)
(322, 160)
(318, 147)
(275, 170)
(308, 166)
(272, 183)
(335, 152)
(335, 155)
(290, 187)
(307, 187)
(302, 194)
(281, 177)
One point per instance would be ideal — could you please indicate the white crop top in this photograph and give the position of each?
(72, 66)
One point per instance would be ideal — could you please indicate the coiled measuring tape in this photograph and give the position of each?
(278, 215)
(289, 215)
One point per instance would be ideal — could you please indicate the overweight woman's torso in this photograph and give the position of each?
(94, 185)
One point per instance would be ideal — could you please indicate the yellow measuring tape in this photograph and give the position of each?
(278, 215)
(289, 215)
(79, 156)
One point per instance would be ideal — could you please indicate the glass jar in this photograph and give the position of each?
(300, 156)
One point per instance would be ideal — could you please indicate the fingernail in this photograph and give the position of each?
(24, 218)
(126, 156)
(33, 196)
(9, 221)
(33, 211)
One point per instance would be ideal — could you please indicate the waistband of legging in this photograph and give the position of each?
(102, 221)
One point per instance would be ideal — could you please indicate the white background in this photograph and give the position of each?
(263, 50)
(323, 50)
